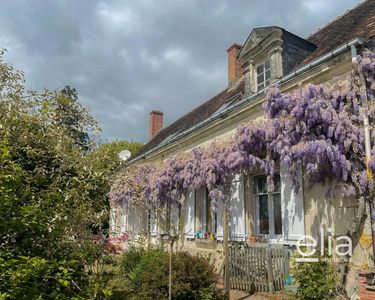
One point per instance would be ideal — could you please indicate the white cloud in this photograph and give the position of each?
(116, 18)
(176, 55)
(128, 57)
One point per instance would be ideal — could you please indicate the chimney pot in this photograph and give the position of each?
(156, 123)
(235, 70)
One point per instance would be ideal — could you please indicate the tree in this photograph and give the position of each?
(107, 154)
(51, 192)
(76, 119)
(106, 161)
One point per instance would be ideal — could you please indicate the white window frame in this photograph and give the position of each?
(237, 223)
(266, 82)
(204, 213)
(153, 218)
(271, 236)
(189, 214)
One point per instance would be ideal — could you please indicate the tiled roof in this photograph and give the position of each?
(357, 22)
(194, 117)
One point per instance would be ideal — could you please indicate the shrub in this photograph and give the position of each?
(131, 259)
(315, 280)
(36, 278)
(149, 278)
(193, 277)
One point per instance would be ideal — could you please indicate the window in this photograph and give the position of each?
(152, 221)
(211, 215)
(206, 218)
(268, 206)
(263, 74)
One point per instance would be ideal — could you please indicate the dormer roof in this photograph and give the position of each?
(256, 36)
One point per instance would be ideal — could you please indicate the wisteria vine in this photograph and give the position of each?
(318, 129)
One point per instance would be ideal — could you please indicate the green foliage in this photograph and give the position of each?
(315, 280)
(53, 189)
(74, 118)
(147, 274)
(105, 161)
(192, 276)
(110, 152)
(36, 278)
(149, 279)
(131, 258)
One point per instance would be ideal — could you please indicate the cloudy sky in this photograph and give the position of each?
(126, 58)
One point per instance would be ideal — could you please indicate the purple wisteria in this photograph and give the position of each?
(133, 185)
(317, 129)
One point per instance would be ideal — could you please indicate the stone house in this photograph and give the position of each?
(269, 55)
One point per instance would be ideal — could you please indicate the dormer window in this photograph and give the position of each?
(270, 53)
(263, 75)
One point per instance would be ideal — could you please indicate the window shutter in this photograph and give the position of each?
(153, 222)
(175, 217)
(237, 209)
(219, 212)
(124, 218)
(189, 214)
(292, 207)
(136, 218)
(112, 220)
(200, 210)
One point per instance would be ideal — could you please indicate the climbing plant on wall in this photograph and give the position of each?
(317, 128)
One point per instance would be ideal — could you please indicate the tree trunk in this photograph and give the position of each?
(354, 233)
(170, 270)
(226, 252)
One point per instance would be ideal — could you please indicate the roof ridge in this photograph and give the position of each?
(337, 18)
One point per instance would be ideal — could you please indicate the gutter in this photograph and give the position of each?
(252, 97)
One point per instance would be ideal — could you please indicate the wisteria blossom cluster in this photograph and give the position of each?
(133, 185)
(366, 64)
(317, 130)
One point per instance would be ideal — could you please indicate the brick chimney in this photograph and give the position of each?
(234, 65)
(156, 122)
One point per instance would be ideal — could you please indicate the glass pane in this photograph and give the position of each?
(267, 83)
(260, 69)
(276, 183)
(260, 184)
(263, 215)
(277, 214)
(199, 211)
(260, 84)
(267, 64)
(268, 74)
(210, 220)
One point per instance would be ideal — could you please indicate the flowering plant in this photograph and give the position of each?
(318, 127)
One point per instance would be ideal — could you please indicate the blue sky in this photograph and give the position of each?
(126, 58)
